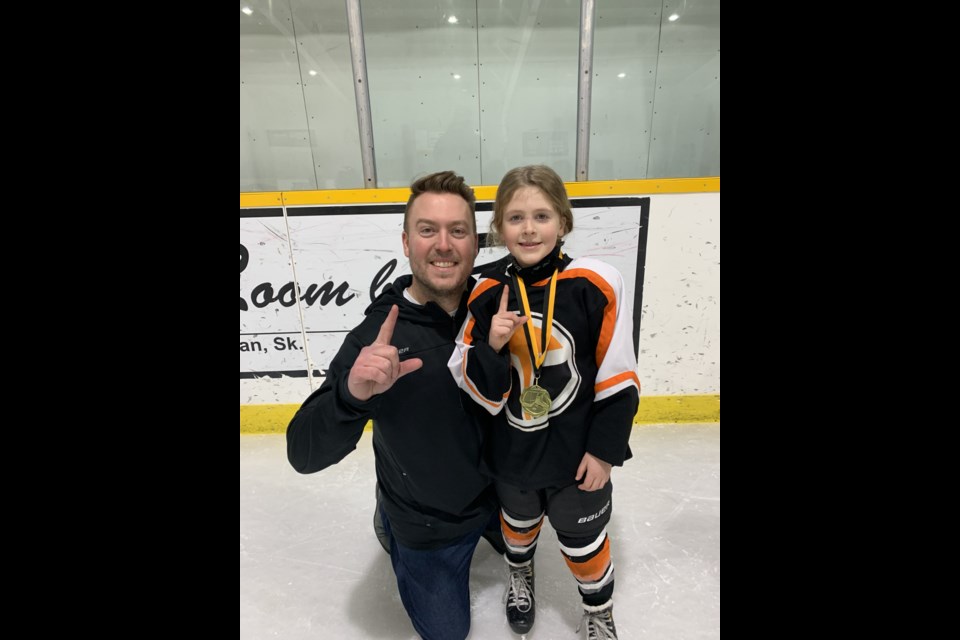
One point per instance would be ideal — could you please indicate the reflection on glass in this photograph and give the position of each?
(686, 119)
(529, 60)
(478, 87)
(422, 68)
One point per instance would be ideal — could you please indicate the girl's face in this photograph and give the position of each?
(530, 227)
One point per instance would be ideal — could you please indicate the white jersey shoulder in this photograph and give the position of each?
(603, 269)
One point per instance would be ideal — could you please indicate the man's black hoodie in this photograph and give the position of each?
(427, 448)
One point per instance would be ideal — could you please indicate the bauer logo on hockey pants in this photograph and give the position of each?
(596, 515)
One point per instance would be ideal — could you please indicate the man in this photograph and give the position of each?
(434, 501)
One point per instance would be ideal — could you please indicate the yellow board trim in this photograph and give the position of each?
(487, 193)
(265, 199)
(274, 418)
(678, 409)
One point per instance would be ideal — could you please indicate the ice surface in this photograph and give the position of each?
(311, 567)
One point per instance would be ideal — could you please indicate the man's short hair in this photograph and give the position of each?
(442, 182)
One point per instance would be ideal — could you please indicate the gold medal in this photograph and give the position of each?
(535, 400)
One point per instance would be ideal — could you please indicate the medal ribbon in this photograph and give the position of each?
(538, 353)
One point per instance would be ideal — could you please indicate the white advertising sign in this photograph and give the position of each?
(342, 257)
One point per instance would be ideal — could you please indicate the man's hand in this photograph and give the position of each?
(504, 324)
(598, 473)
(378, 366)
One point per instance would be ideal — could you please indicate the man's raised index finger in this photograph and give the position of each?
(386, 331)
(504, 298)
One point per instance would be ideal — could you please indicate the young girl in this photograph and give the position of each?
(547, 349)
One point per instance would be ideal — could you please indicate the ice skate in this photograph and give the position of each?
(521, 604)
(599, 622)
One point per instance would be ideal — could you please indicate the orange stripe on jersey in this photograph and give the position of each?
(468, 331)
(473, 390)
(480, 288)
(615, 380)
(515, 538)
(594, 568)
(609, 314)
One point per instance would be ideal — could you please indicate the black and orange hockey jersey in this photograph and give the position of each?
(589, 371)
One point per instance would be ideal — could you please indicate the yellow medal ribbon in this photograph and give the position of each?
(538, 355)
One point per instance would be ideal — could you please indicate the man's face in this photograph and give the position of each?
(441, 243)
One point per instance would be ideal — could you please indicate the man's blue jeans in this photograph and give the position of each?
(434, 584)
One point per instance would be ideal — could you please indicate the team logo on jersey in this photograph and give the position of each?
(558, 375)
